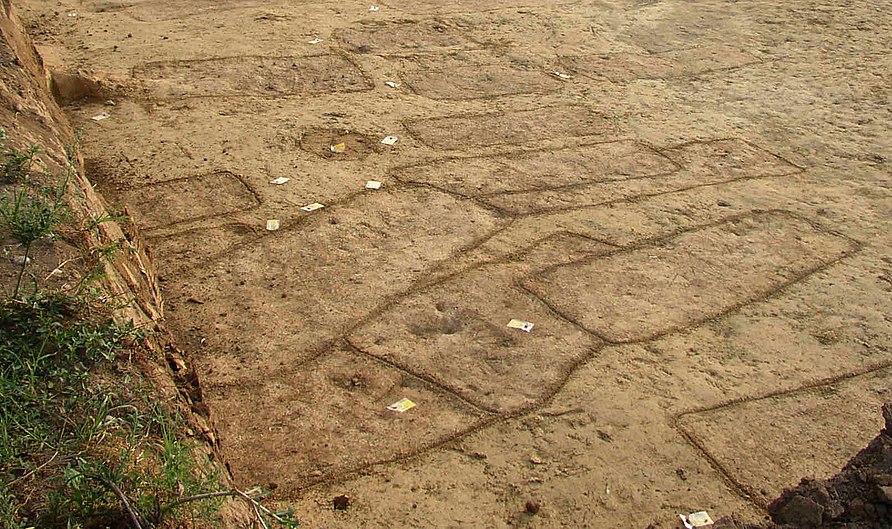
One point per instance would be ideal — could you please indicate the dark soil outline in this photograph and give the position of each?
(303, 218)
(329, 345)
(563, 61)
(409, 125)
(636, 198)
(136, 70)
(558, 3)
(495, 60)
(378, 25)
(236, 6)
(175, 270)
(569, 370)
(395, 172)
(855, 247)
(480, 199)
(632, 199)
(549, 389)
(257, 200)
(667, 150)
(742, 489)
(478, 418)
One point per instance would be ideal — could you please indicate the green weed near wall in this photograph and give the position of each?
(84, 442)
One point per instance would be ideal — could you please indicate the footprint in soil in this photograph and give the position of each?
(441, 325)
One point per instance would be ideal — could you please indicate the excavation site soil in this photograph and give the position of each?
(691, 203)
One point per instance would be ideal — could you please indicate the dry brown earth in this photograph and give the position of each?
(696, 215)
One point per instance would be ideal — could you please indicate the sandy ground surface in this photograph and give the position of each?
(691, 201)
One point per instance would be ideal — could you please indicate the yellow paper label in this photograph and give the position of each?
(312, 207)
(401, 405)
(522, 325)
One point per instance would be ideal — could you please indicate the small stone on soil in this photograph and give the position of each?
(532, 507)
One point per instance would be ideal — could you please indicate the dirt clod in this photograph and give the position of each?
(341, 503)
(801, 510)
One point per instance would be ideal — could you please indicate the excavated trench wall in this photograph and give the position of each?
(30, 115)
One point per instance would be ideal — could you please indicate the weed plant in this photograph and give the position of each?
(84, 441)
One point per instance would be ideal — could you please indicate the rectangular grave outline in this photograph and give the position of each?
(478, 417)
(493, 61)
(563, 61)
(486, 418)
(558, 3)
(691, 437)
(157, 233)
(336, 36)
(127, 10)
(257, 200)
(139, 69)
(330, 208)
(481, 198)
(854, 247)
(794, 169)
(564, 373)
(408, 124)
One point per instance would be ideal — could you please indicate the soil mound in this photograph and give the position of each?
(859, 497)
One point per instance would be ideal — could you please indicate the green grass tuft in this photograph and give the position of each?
(84, 441)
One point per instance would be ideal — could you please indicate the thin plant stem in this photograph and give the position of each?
(18, 282)
(33, 470)
(199, 497)
(257, 507)
(134, 518)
